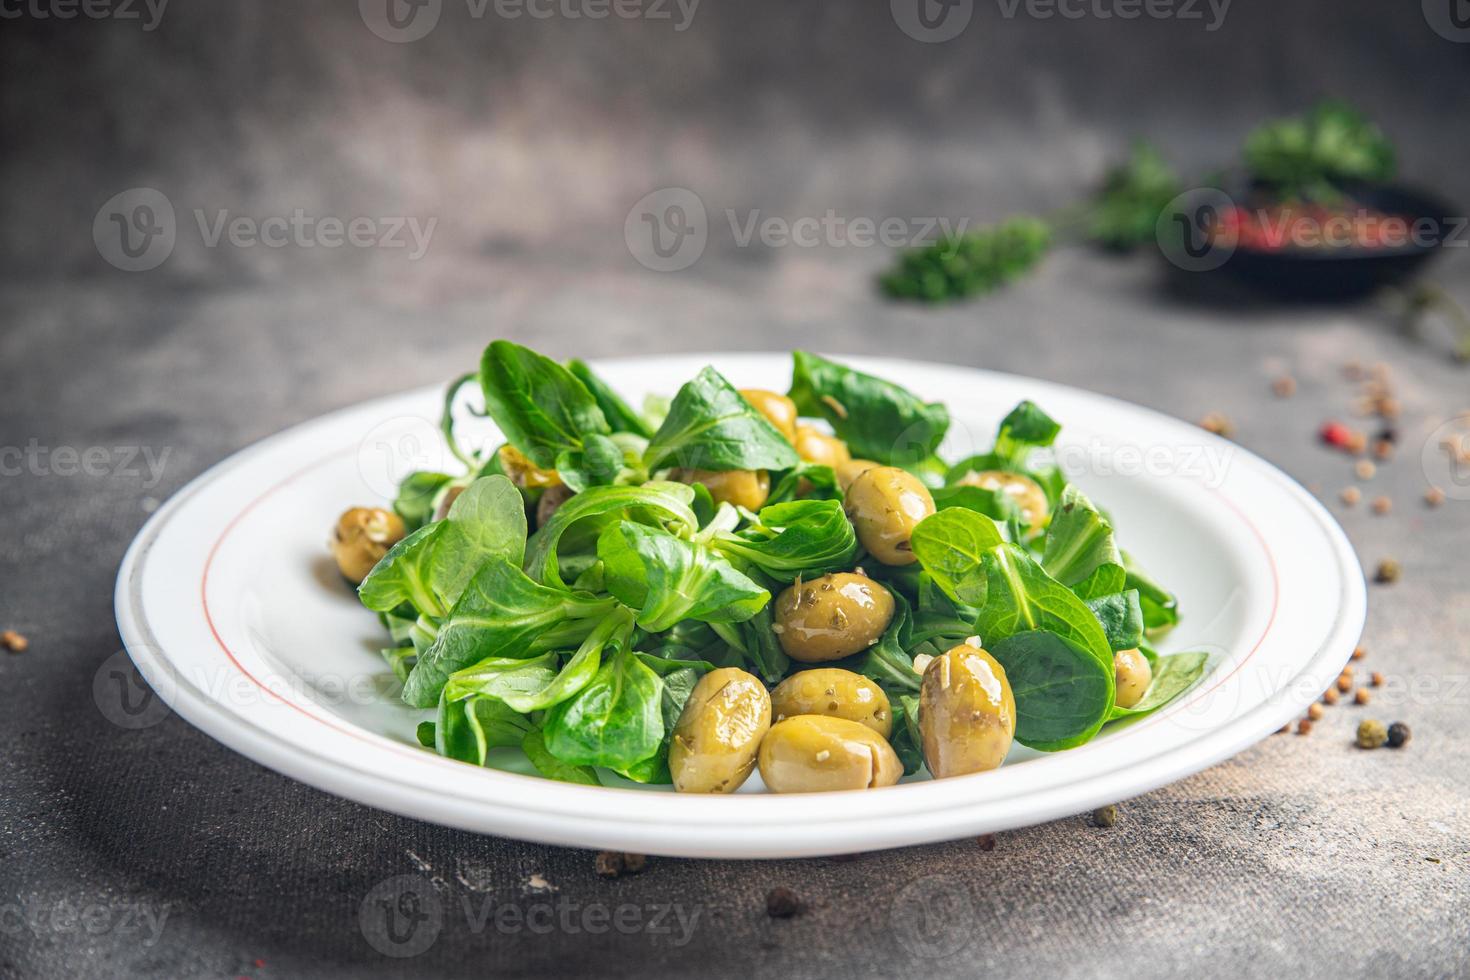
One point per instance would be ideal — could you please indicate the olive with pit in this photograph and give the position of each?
(819, 754)
(743, 488)
(1133, 674)
(836, 693)
(885, 504)
(967, 714)
(1023, 491)
(851, 470)
(779, 410)
(362, 536)
(817, 447)
(715, 741)
(831, 617)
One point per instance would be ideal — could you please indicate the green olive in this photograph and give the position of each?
(831, 617)
(779, 410)
(522, 472)
(362, 536)
(834, 692)
(743, 488)
(815, 446)
(1025, 492)
(851, 470)
(967, 715)
(1134, 675)
(885, 504)
(817, 754)
(719, 732)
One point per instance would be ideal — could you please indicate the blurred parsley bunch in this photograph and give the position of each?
(1120, 215)
(969, 264)
(1308, 156)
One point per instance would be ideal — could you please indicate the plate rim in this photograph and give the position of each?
(524, 818)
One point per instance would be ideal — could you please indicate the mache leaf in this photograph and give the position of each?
(878, 419)
(710, 426)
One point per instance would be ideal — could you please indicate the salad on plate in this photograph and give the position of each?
(738, 579)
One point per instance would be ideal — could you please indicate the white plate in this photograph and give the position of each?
(232, 610)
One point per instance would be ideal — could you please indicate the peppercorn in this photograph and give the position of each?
(1376, 679)
(1335, 434)
(1365, 469)
(1105, 816)
(1382, 505)
(1284, 729)
(1360, 696)
(1398, 734)
(1329, 696)
(1315, 712)
(986, 842)
(1434, 496)
(1344, 683)
(1351, 495)
(14, 642)
(1359, 653)
(1218, 423)
(611, 864)
(1388, 571)
(1383, 449)
(782, 903)
(1371, 734)
(1357, 443)
(1304, 727)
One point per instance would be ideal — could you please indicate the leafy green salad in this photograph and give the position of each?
(734, 579)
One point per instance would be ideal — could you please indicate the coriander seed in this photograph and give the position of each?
(1371, 734)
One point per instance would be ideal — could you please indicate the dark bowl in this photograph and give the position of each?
(1351, 271)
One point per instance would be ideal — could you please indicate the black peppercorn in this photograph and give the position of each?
(1398, 734)
(782, 903)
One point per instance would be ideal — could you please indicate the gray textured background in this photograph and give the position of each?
(528, 141)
